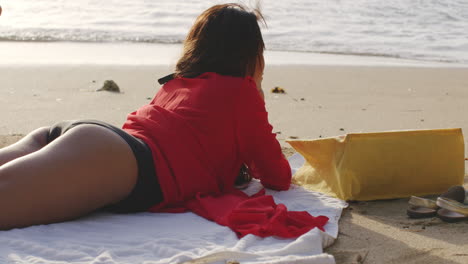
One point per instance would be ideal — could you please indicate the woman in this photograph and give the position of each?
(190, 141)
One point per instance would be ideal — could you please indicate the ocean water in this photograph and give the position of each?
(427, 30)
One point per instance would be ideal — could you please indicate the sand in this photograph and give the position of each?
(320, 101)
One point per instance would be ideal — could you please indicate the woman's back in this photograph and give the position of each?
(202, 129)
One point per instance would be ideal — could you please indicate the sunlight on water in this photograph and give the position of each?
(425, 30)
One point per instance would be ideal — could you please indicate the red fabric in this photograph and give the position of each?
(257, 215)
(200, 130)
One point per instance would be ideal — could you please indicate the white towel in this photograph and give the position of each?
(104, 238)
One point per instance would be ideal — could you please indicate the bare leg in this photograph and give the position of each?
(82, 170)
(30, 143)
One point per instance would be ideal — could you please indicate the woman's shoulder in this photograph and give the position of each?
(208, 84)
(228, 81)
(222, 77)
(212, 80)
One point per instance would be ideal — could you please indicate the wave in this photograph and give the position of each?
(87, 36)
(275, 46)
(426, 31)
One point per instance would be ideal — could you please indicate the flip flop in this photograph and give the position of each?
(421, 207)
(451, 211)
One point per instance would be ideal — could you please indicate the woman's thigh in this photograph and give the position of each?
(86, 168)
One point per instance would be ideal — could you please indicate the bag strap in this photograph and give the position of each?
(166, 78)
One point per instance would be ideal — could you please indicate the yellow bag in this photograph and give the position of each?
(383, 165)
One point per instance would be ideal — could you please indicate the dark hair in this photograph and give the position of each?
(225, 39)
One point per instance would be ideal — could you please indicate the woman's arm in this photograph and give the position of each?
(260, 150)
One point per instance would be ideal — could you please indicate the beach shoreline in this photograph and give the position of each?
(25, 53)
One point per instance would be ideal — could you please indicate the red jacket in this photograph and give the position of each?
(201, 130)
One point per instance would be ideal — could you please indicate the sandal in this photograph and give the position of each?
(422, 207)
(451, 211)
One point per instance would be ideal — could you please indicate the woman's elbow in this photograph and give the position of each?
(282, 185)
